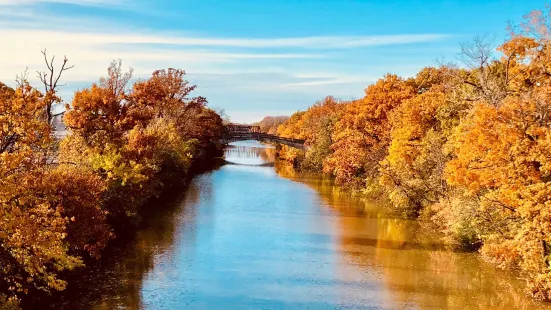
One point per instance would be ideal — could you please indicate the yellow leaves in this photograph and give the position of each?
(118, 168)
(499, 146)
(315, 126)
(24, 134)
(293, 127)
(79, 193)
(270, 124)
(289, 154)
(35, 237)
(469, 149)
(112, 162)
(363, 132)
(503, 159)
(32, 228)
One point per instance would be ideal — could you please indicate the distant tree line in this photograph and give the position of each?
(269, 124)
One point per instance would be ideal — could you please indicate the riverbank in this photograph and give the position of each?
(464, 149)
(64, 202)
(82, 283)
(248, 235)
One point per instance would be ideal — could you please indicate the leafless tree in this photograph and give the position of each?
(50, 79)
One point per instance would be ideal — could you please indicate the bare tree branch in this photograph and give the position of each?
(50, 80)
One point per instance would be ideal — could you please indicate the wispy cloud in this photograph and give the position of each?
(320, 42)
(248, 76)
(91, 52)
(325, 82)
(75, 2)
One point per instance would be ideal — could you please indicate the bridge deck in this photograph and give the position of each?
(245, 132)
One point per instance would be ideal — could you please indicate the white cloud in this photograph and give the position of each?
(76, 2)
(319, 42)
(253, 116)
(249, 77)
(16, 12)
(91, 53)
(324, 82)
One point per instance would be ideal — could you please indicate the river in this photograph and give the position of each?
(252, 234)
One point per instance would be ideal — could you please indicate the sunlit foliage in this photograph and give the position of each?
(61, 203)
(269, 124)
(315, 126)
(362, 134)
(132, 135)
(467, 148)
(33, 247)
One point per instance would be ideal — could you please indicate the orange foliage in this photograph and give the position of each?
(503, 160)
(58, 205)
(132, 137)
(412, 171)
(315, 126)
(468, 149)
(363, 132)
(269, 124)
(33, 249)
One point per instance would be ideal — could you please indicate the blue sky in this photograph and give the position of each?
(251, 58)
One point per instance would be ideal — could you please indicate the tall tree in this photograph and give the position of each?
(50, 80)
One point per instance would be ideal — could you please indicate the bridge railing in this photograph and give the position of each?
(238, 135)
(245, 132)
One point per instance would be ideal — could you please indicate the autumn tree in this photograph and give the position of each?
(315, 126)
(413, 166)
(33, 248)
(362, 134)
(502, 160)
(166, 95)
(412, 171)
(464, 147)
(134, 136)
(101, 127)
(126, 143)
(292, 128)
(80, 194)
(99, 114)
(269, 124)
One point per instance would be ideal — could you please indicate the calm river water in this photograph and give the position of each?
(254, 235)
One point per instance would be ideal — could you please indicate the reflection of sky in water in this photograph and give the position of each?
(251, 153)
(244, 237)
(269, 171)
(252, 143)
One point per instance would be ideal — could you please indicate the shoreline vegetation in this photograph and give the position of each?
(63, 202)
(464, 149)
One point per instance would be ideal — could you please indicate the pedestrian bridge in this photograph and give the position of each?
(235, 132)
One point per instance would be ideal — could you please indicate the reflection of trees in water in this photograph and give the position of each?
(450, 280)
(268, 155)
(333, 196)
(414, 264)
(248, 153)
(116, 280)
